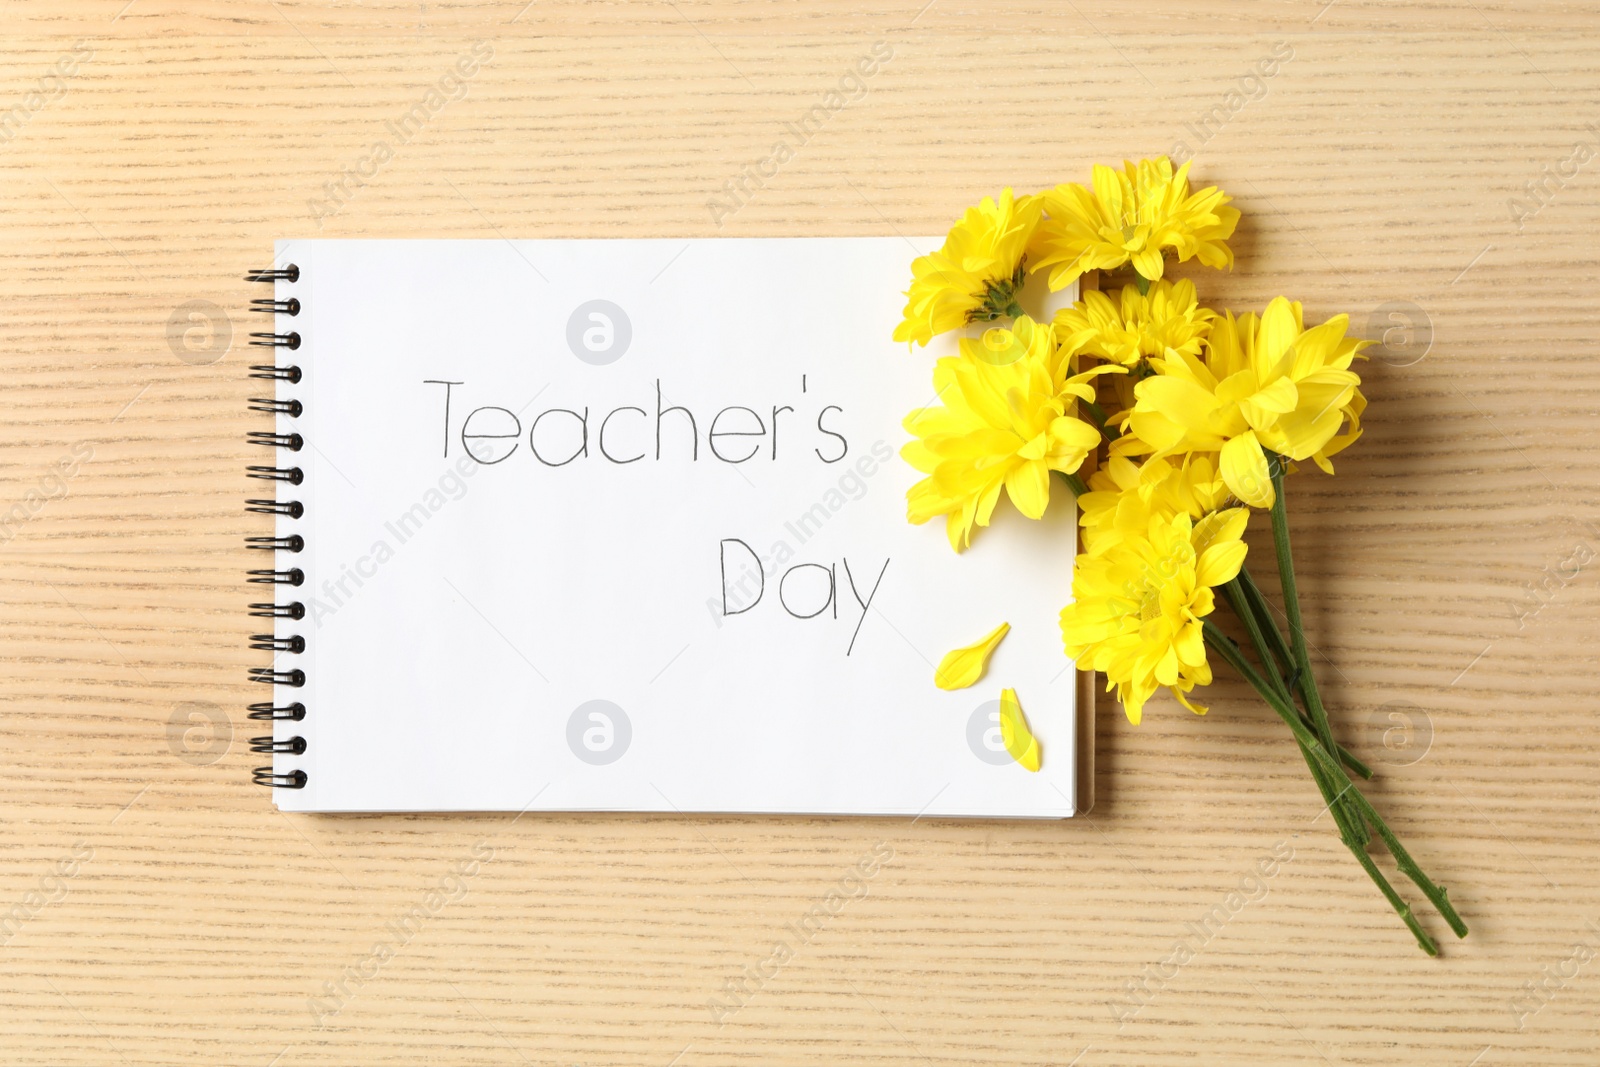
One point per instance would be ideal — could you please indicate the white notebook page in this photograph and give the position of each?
(524, 588)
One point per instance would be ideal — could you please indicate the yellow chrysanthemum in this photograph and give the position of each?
(975, 275)
(1003, 426)
(1266, 383)
(1123, 497)
(1137, 606)
(1131, 216)
(1138, 326)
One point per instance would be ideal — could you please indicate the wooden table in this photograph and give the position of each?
(160, 909)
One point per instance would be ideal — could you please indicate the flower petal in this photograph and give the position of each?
(1028, 485)
(1149, 264)
(965, 666)
(1226, 525)
(1178, 399)
(1198, 709)
(1280, 327)
(1014, 731)
(1220, 563)
(1244, 469)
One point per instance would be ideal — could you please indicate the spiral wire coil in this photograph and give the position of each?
(285, 475)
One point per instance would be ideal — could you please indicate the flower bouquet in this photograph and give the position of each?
(1171, 423)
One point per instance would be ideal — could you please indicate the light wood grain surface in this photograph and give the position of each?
(155, 908)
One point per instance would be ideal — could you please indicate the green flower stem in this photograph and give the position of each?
(1229, 651)
(1436, 895)
(1354, 765)
(1291, 608)
(1352, 835)
(1285, 657)
(1252, 625)
(1351, 763)
(1263, 611)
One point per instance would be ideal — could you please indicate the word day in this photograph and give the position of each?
(803, 591)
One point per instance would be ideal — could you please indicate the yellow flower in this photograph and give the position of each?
(962, 667)
(1144, 325)
(1131, 216)
(1014, 731)
(1137, 606)
(1003, 426)
(1124, 497)
(1266, 383)
(975, 275)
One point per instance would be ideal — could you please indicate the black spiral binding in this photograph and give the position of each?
(287, 475)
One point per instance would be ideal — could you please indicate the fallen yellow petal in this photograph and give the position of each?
(1019, 740)
(964, 666)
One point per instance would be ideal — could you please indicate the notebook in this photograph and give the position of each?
(620, 525)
